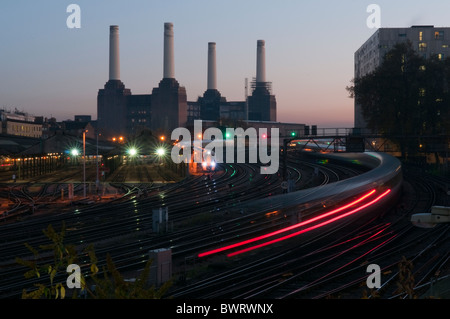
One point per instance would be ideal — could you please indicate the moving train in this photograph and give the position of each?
(320, 209)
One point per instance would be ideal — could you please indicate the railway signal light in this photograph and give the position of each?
(293, 134)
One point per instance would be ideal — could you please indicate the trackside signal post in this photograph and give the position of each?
(161, 268)
(286, 141)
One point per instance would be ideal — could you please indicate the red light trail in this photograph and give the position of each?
(298, 225)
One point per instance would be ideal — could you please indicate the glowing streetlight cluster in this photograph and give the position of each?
(119, 139)
(133, 150)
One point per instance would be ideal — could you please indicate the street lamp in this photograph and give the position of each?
(84, 163)
(160, 151)
(74, 152)
(97, 181)
(132, 151)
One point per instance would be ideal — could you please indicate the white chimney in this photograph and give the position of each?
(212, 75)
(261, 61)
(114, 56)
(169, 64)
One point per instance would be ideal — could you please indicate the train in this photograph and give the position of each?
(320, 209)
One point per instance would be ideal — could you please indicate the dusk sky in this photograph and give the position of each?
(50, 70)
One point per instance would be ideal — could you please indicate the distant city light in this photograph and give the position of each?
(74, 152)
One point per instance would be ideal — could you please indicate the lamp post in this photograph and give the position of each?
(97, 181)
(160, 152)
(84, 163)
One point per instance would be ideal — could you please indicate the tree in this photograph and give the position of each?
(111, 285)
(405, 283)
(406, 97)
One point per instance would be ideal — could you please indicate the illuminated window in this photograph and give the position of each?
(439, 35)
(440, 56)
(422, 92)
(422, 46)
(445, 46)
(420, 36)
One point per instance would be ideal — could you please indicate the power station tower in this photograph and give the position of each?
(262, 105)
(112, 99)
(212, 99)
(169, 99)
(166, 108)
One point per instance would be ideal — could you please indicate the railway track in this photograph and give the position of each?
(128, 225)
(114, 224)
(113, 227)
(337, 269)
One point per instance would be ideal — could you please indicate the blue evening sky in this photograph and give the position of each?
(48, 69)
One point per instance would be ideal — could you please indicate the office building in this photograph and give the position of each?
(427, 40)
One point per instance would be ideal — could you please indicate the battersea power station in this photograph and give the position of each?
(119, 112)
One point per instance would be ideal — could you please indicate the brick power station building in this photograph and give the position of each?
(119, 112)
